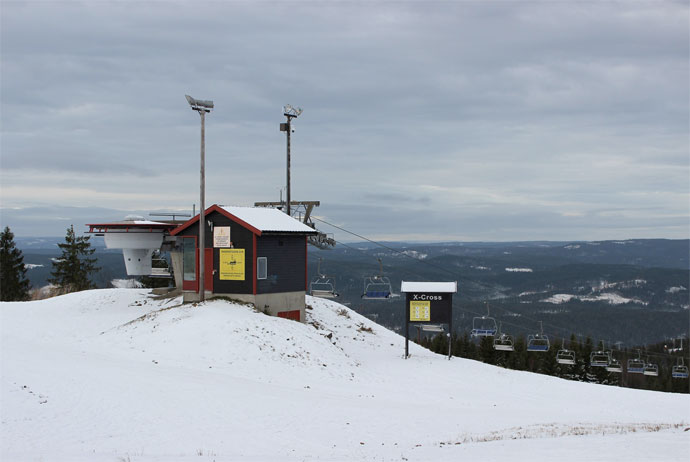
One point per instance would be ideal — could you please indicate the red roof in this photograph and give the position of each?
(256, 219)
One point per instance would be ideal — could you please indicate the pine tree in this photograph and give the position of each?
(487, 353)
(71, 272)
(13, 283)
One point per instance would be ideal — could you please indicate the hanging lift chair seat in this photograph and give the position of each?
(679, 372)
(538, 343)
(324, 293)
(651, 370)
(566, 357)
(376, 294)
(615, 366)
(635, 366)
(483, 332)
(504, 343)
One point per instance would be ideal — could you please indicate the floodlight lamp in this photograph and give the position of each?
(290, 111)
(198, 104)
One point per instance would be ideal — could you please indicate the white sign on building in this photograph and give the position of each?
(221, 236)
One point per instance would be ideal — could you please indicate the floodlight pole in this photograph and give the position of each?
(202, 107)
(202, 209)
(289, 112)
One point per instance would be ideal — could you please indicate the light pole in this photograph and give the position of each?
(289, 112)
(202, 107)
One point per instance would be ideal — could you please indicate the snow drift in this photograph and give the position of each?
(115, 374)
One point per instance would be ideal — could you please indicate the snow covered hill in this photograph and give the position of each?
(115, 375)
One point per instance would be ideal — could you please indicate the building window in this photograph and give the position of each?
(261, 268)
(189, 258)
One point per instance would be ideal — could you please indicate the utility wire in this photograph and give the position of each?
(446, 270)
(438, 267)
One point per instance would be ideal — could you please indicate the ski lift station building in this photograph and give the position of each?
(253, 254)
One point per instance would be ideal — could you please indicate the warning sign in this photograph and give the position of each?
(231, 264)
(221, 236)
(420, 311)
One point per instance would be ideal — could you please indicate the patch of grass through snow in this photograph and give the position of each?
(560, 430)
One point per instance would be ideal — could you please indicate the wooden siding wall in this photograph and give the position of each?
(241, 238)
(286, 259)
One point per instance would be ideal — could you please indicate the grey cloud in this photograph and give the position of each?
(395, 198)
(577, 103)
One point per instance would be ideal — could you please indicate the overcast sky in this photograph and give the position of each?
(471, 121)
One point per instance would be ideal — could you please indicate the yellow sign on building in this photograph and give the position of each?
(231, 265)
(420, 310)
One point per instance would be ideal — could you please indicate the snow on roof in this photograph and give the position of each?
(145, 222)
(136, 220)
(268, 219)
(131, 224)
(443, 287)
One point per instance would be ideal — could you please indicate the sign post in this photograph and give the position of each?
(428, 302)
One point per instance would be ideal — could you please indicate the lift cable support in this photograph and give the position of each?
(680, 370)
(138, 238)
(538, 342)
(503, 342)
(301, 210)
(323, 286)
(674, 349)
(377, 287)
(484, 326)
(159, 266)
(565, 356)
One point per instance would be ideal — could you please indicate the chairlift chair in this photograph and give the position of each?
(565, 356)
(636, 365)
(538, 342)
(599, 359)
(615, 366)
(437, 328)
(651, 369)
(377, 287)
(323, 286)
(503, 342)
(484, 326)
(680, 370)
(160, 269)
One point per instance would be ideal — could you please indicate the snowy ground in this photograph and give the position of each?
(113, 375)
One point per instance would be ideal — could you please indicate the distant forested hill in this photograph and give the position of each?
(634, 292)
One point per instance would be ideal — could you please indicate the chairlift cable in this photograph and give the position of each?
(525, 328)
(446, 270)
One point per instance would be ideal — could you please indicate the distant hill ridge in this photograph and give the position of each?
(662, 253)
(634, 291)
